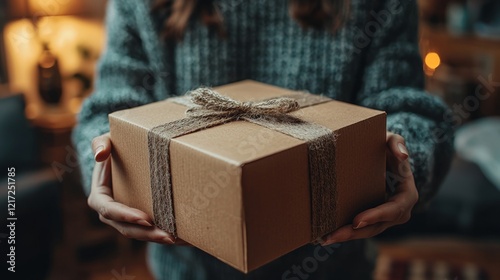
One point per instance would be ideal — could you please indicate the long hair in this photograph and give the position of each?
(317, 14)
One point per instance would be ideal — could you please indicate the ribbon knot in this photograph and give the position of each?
(212, 104)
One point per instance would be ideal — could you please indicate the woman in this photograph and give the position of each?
(363, 52)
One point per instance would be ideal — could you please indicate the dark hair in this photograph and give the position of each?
(330, 14)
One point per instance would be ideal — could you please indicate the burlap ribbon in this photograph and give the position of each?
(207, 108)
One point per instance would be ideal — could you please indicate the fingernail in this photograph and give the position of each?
(402, 149)
(329, 242)
(319, 240)
(326, 239)
(98, 150)
(144, 223)
(168, 240)
(361, 225)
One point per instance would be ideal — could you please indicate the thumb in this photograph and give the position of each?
(101, 146)
(397, 146)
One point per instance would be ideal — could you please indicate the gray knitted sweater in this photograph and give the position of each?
(373, 61)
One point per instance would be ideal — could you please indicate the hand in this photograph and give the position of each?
(130, 222)
(396, 210)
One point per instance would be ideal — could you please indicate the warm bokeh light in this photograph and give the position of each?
(432, 60)
(75, 105)
(32, 110)
(54, 7)
(37, 9)
(63, 34)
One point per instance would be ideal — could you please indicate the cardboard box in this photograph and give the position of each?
(241, 191)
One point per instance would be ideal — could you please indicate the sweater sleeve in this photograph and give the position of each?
(393, 82)
(123, 81)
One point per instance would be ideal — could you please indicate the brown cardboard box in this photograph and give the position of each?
(241, 191)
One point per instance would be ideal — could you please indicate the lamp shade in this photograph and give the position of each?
(42, 8)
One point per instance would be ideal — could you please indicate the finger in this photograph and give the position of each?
(101, 146)
(399, 175)
(347, 233)
(118, 212)
(401, 168)
(101, 182)
(110, 209)
(406, 188)
(101, 177)
(101, 200)
(396, 144)
(397, 209)
(393, 211)
(153, 234)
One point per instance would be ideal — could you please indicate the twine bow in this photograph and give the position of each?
(212, 104)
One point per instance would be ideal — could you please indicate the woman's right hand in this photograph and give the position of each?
(130, 222)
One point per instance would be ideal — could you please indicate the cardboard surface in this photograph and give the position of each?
(239, 189)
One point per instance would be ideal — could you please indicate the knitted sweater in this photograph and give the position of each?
(373, 61)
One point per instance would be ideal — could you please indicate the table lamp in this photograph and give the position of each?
(40, 12)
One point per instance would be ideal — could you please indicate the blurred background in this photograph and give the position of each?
(48, 54)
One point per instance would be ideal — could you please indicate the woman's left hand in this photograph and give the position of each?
(396, 210)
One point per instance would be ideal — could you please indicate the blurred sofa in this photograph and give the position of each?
(37, 200)
(467, 205)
